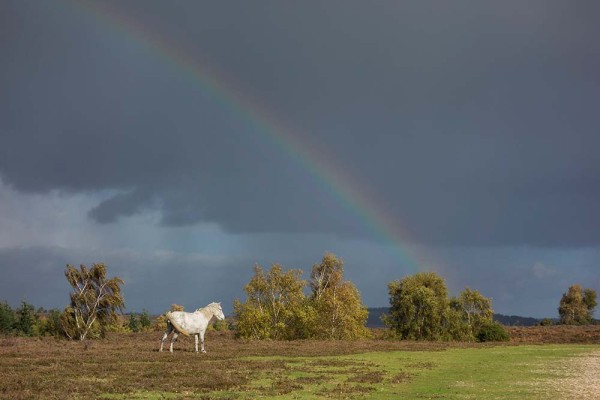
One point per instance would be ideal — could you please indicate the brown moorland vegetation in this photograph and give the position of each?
(130, 363)
(556, 334)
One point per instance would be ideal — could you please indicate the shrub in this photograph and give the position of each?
(220, 326)
(134, 322)
(48, 324)
(145, 321)
(7, 318)
(27, 319)
(492, 332)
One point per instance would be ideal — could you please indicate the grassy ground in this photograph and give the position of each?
(508, 372)
(128, 366)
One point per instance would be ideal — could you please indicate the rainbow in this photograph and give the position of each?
(329, 176)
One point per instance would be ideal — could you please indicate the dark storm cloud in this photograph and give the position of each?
(35, 275)
(152, 281)
(123, 204)
(474, 122)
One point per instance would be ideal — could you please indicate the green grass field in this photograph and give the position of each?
(129, 367)
(506, 372)
(515, 372)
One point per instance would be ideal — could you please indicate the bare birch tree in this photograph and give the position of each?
(94, 300)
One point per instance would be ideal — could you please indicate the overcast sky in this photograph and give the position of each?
(182, 142)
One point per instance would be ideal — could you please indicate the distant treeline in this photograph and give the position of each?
(515, 320)
(374, 320)
(27, 320)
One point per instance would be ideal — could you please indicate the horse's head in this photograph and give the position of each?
(219, 312)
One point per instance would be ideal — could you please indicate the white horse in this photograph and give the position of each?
(191, 323)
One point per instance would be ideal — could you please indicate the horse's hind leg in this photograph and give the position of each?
(173, 339)
(167, 333)
(196, 342)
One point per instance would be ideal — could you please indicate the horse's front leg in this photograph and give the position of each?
(196, 342)
(202, 341)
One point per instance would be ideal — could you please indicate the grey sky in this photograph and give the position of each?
(474, 124)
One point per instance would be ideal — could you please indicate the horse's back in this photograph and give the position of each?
(187, 323)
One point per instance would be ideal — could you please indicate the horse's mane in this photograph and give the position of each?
(211, 308)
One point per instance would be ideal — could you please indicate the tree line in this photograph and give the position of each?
(276, 307)
(25, 320)
(420, 307)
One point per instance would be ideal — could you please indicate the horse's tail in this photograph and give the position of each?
(170, 326)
